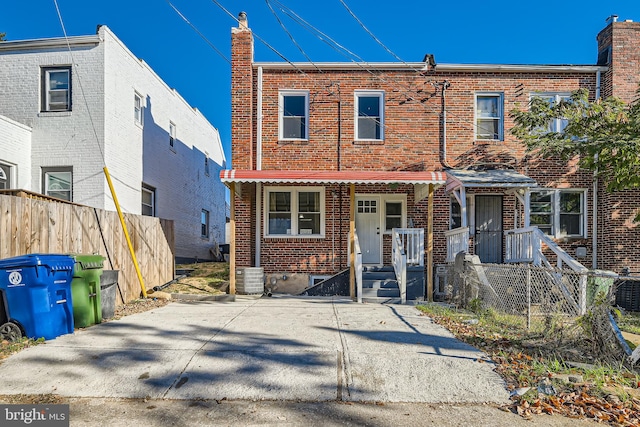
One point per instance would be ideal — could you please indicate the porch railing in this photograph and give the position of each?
(412, 241)
(399, 260)
(525, 245)
(457, 241)
(358, 266)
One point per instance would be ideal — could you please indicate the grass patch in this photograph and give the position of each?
(8, 348)
(553, 354)
(629, 322)
(207, 278)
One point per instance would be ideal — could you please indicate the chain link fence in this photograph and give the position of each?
(526, 290)
(539, 294)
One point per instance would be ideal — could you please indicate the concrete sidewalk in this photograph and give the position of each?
(281, 348)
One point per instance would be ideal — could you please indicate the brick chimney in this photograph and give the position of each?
(242, 95)
(619, 48)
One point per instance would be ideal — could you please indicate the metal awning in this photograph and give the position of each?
(502, 178)
(332, 177)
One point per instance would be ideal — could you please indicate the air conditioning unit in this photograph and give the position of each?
(440, 290)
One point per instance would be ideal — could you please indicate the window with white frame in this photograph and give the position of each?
(5, 176)
(58, 182)
(206, 164)
(148, 200)
(489, 116)
(137, 108)
(294, 211)
(172, 134)
(556, 125)
(559, 213)
(369, 111)
(56, 89)
(455, 217)
(395, 211)
(204, 223)
(294, 115)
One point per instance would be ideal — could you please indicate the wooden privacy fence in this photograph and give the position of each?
(39, 226)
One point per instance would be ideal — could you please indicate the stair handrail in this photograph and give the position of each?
(399, 261)
(525, 245)
(457, 241)
(358, 266)
(412, 240)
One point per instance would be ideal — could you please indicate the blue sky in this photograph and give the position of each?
(504, 31)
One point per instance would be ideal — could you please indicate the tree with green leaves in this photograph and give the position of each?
(604, 133)
(2, 36)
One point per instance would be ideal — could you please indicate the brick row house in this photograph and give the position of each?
(324, 153)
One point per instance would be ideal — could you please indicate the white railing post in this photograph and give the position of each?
(399, 260)
(457, 241)
(358, 266)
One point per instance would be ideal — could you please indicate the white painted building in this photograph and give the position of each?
(71, 107)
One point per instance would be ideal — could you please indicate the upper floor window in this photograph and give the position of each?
(172, 134)
(56, 89)
(58, 182)
(204, 223)
(294, 115)
(489, 116)
(148, 200)
(369, 120)
(137, 108)
(556, 125)
(206, 164)
(294, 211)
(559, 213)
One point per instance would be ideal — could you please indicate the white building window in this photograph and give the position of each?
(294, 211)
(206, 164)
(489, 116)
(148, 200)
(137, 108)
(56, 89)
(556, 125)
(172, 134)
(204, 223)
(369, 111)
(58, 182)
(294, 115)
(559, 213)
(5, 176)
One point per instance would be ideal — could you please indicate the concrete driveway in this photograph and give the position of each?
(280, 348)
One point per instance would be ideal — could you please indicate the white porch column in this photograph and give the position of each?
(527, 207)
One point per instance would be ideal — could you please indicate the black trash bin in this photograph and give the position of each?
(108, 290)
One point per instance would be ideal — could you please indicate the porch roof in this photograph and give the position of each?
(333, 177)
(502, 178)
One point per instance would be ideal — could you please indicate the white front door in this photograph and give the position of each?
(368, 212)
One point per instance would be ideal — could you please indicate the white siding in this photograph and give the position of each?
(15, 151)
(101, 131)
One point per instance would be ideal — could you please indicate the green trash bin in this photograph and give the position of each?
(85, 289)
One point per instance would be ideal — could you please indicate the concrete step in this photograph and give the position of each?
(377, 284)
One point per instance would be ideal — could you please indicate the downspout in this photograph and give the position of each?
(443, 160)
(259, 166)
(594, 239)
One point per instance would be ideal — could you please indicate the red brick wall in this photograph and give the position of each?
(413, 141)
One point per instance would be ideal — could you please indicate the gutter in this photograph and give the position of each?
(77, 41)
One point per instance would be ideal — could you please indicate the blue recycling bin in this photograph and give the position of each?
(36, 292)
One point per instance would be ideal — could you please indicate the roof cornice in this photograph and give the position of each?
(422, 67)
(59, 42)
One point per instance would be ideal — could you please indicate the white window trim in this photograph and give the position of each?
(152, 192)
(47, 82)
(281, 95)
(471, 212)
(139, 121)
(384, 198)
(294, 212)
(555, 203)
(500, 115)
(172, 135)
(356, 96)
(554, 126)
(207, 224)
